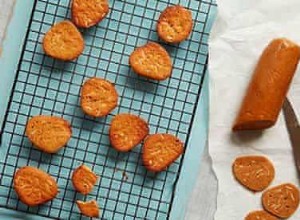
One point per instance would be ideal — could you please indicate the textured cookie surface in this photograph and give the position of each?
(48, 133)
(160, 150)
(63, 41)
(98, 97)
(151, 61)
(84, 179)
(127, 131)
(87, 13)
(254, 172)
(175, 24)
(282, 200)
(260, 215)
(34, 186)
(89, 208)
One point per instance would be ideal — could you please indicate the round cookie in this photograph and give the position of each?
(98, 97)
(87, 13)
(254, 172)
(160, 150)
(89, 209)
(48, 133)
(127, 131)
(84, 179)
(63, 41)
(260, 215)
(175, 24)
(34, 186)
(281, 200)
(151, 61)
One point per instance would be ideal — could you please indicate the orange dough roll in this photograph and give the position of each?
(269, 86)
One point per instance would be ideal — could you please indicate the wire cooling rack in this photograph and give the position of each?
(47, 86)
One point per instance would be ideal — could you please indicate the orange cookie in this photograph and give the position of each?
(84, 179)
(63, 41)
(175, 24)
(282, 200)
(89, 208)
(260, 215)
(98, 97)
(87, 13)
(34, 186)
(151, 61)
(254, 172)
(48, 133)
(160, 150)
(127, 131)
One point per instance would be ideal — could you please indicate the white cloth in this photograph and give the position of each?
(241, 32)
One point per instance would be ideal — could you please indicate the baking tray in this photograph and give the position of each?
(46, 86)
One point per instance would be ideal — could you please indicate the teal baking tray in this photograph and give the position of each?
(42, 85)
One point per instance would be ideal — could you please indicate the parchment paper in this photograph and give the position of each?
(241, 32)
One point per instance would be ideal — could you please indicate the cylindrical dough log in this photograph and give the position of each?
(269, 86)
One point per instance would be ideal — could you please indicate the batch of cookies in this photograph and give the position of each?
(256, 174)
(97, 99)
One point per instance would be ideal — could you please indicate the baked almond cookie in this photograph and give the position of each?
(48, 133)
(87, 13)
(33, 186)
(260, 215)
(84, 179)
(282, 200)
(151, 61)
(175, 24)
(89, 209)
(160, 150)
(98, 97)
(127, 131)
(63, 41)
(254, 172)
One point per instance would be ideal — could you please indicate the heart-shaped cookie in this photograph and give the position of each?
(282, 200)
(160, 150)
(254, 172)
(63, 41)
(127, 131)
(87, 13)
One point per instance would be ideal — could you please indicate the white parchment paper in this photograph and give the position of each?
(241, 32)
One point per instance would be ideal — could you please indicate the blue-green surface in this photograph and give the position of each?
(50, 87)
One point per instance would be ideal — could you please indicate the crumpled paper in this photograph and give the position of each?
(241, 31)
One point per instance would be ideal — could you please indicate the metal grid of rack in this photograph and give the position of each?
(51, 87)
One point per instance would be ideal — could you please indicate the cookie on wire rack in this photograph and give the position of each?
(175, 24)
(151, 61)
(89, 208)
(126, 131)
(84, 179)
(48, 133)
(160, 151)
(98, 97)
(87, 13)
(34, 186)
(63, 41)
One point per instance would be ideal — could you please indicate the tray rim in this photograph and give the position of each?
(13, 44)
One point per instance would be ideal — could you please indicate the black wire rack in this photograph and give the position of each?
(47, 86)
